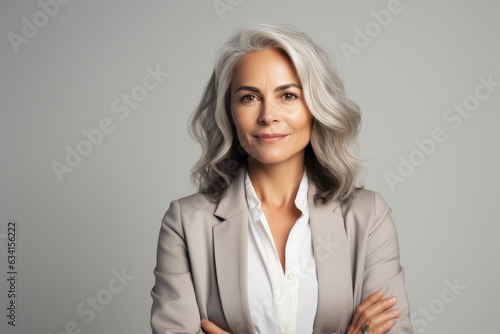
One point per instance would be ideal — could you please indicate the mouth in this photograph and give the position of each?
(270, 137)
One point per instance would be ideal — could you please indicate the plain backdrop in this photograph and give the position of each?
(66, 69)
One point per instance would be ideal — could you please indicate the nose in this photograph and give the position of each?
(268, 113)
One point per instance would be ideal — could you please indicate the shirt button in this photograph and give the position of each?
(291, 276)
(287, 326)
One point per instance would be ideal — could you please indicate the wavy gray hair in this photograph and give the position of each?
(329, 162)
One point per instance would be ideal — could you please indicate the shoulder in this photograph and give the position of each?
(364, 198)
(366, 208)
(186, 213)
(196, 202)
(194, 205)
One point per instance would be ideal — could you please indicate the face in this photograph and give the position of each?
(272, 120)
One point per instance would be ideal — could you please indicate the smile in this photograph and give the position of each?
(270, 138)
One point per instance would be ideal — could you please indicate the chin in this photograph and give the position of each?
(270, 160)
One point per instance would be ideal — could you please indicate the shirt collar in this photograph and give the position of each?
(254, 204)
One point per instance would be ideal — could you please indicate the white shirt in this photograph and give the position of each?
(281, 302)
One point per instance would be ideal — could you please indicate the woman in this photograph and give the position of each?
(278, 239)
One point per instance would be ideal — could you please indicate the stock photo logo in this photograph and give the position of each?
(122, 107)
(426, 315)
(381, 19)
(93, 305)
(31, 26)
(452, 117)
(223, 6)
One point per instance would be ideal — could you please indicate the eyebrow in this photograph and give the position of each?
(277, 89)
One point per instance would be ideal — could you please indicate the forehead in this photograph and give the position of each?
(270, 65)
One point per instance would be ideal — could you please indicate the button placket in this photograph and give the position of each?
(286, 327)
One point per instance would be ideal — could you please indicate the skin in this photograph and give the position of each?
(267, 99)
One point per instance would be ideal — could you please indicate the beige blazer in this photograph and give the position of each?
(201, 270)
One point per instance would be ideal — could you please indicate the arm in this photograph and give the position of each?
(174, 307)
(376, 313)
(210, 328)
(382, 269)
(379, 277)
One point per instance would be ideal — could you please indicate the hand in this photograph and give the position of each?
(210, 328)
(376, 313)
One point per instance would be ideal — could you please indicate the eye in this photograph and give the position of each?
(289, 96)
(249, 98)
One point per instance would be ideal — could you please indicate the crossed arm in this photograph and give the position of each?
(375, 311)
(380, 272)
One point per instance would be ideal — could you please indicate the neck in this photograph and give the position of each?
(276, 185)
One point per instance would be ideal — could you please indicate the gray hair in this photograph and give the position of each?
(329, 162)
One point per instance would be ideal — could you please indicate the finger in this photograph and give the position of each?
(371, 313)
(382, 328)
(369, 301)
(374, 314)
(381, 323)
(210, 328)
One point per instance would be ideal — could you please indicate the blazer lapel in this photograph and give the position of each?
(331, 253)
(329, 239)
(230, 251)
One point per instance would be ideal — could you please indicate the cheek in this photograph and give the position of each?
(307, 127)
(240, 133)
(242, 120)
(301, 121)
(241, 129)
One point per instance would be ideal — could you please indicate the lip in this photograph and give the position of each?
(270, 137)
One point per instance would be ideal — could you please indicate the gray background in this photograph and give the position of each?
(105, 215)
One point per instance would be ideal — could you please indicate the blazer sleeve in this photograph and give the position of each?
(174, 308)
(383, 270)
